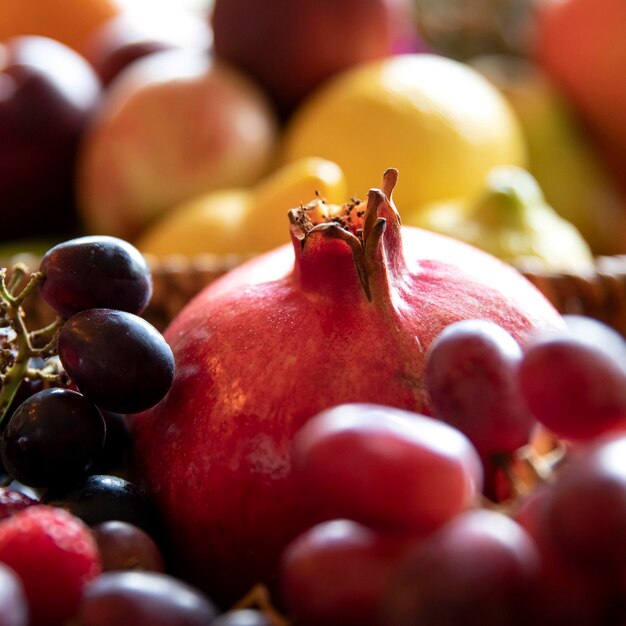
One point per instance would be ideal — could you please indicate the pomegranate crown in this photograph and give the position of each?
(361, 227)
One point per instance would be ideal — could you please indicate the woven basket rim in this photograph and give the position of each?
(598, 292)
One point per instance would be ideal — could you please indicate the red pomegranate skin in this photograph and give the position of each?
(283, 337)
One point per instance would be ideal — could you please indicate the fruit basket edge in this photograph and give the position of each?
(599, 293)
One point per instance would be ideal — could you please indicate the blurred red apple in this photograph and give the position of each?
(173, 125)
(131, 36)
(47, 94)
(292, 47)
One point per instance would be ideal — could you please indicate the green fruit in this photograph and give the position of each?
(568, 170)
(511, 220)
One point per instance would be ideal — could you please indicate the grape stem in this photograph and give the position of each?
(22, 344)
(259, 597)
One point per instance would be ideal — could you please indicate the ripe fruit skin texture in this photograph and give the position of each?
(55, 556)
(272, 344)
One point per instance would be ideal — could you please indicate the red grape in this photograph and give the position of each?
(564, 593)
(124, 546)
(13, 605)
(474, 571)
(575, 382)
(335, 573)
(386, 467)
(585, 509)
(143, 599)
(470, 376)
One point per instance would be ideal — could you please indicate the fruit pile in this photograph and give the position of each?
(175, 118)
(442, 465)
(367, 423)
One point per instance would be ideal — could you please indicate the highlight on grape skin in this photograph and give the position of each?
(414, 471)
(574, 381)
(95, 272)
(117, 359)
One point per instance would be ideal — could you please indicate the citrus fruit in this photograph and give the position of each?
(68, 21)
(436, 120)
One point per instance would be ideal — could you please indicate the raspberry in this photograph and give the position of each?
(12, 501)
(55, 554)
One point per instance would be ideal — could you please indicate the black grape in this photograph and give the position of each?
(101, 498)
(95, 272)
(53, 437)
(117, 359)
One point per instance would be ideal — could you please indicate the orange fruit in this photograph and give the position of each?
(582, 46)
(69, 21)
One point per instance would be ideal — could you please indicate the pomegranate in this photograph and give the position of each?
(276, 341)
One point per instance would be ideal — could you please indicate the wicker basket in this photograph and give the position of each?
(599, 293)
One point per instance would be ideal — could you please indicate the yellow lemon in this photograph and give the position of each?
(438, 121)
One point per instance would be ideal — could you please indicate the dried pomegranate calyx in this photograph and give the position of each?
(360, 226)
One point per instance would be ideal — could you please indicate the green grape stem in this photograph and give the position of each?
(15, 362)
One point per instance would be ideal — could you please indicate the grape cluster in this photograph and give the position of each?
(98, 356)
(80, 541)
(515, 516)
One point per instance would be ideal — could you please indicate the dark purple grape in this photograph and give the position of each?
(143, 599)
(117, 359)
(52, 438)
(475, 571)
(123, 546)
(114, 455)
(242, 617)
(101, 498)
(12, 501)
(95, 272)
(13, 605)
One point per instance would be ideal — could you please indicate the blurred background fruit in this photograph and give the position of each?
(436, 120)
(130, 35)
(48, 93)
(174, 125)
(510, 219)
(461, 29)
(68, 21)
(561, 157)
(244, 220)
(582, 46)
(293, 47)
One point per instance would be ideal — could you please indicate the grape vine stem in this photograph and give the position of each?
(259, 597)
(23, 345)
